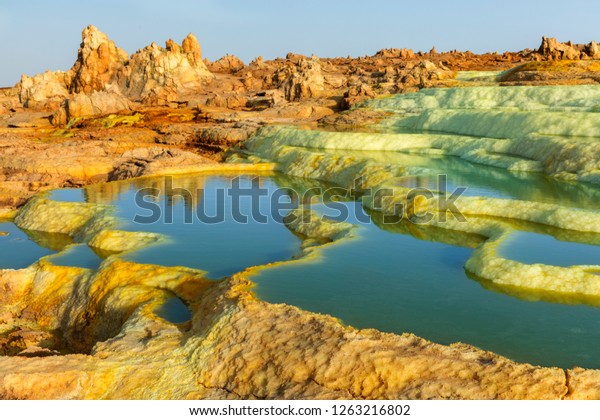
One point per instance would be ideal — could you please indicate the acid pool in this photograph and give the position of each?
(393, 277)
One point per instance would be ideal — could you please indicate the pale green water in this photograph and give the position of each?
(398, 283)
(174, 310)
(221, 249)
(394, 278)
(534, 248)
(19, 249)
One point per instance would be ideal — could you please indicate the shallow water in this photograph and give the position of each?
(174, 311)
(19, 249)
(79, 255)
(396, 278)
(534, 248)
(397, 283)
(221, 248)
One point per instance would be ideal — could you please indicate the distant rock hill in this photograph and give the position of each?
(104, 77)
(553, 50)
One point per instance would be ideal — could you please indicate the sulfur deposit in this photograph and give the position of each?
(125, 351)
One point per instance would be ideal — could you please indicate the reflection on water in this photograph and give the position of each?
(174, 311)
(77, 256)
(485, 181)
(392, 281)
(396, 278)
(19, 249)
(184, 202)
(221, 248)
(534, 248)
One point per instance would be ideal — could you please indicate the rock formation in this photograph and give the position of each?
(357, 94)
(9, 100)
(424, 74)
(88, 105)
(226, 64)
(301, 81)
(44, 91)
(98, 60)
(553, 50)
(403, 53)
(156, 72)
(153, 74)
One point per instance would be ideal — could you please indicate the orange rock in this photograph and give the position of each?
(98, 60)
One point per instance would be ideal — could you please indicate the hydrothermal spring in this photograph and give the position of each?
(404, 277)
(395, 278)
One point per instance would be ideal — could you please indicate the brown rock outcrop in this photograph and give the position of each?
(88, 105)
(403, 53)
(9, 99)
(357, 94)
(146, 161)
(226, 64)
(423, 74)
(44, 91)
(98, 60)
(553, 50)
(156, 72)
(302, 81)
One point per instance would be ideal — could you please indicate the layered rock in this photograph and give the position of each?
(157, 73)
(554, 50)
(88, 105)
(301, 81)
(45, 91)
(225, 64)
(98, 60)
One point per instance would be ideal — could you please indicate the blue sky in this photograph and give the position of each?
(40, 35)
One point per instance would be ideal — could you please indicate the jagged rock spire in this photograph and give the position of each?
(98, 60)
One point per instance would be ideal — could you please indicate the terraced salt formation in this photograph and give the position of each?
(533, 132)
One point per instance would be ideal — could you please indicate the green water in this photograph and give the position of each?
(397, 283)
(19, 249)
(534, 248)
(396, 278)
(174, 311)
(221, 249)
(77, 256)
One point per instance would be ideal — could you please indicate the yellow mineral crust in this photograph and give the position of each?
(85, 222)
(240, 347)
(121, 240)
(41, 214)
(297, 153)
(112, 344)
(311, 225)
